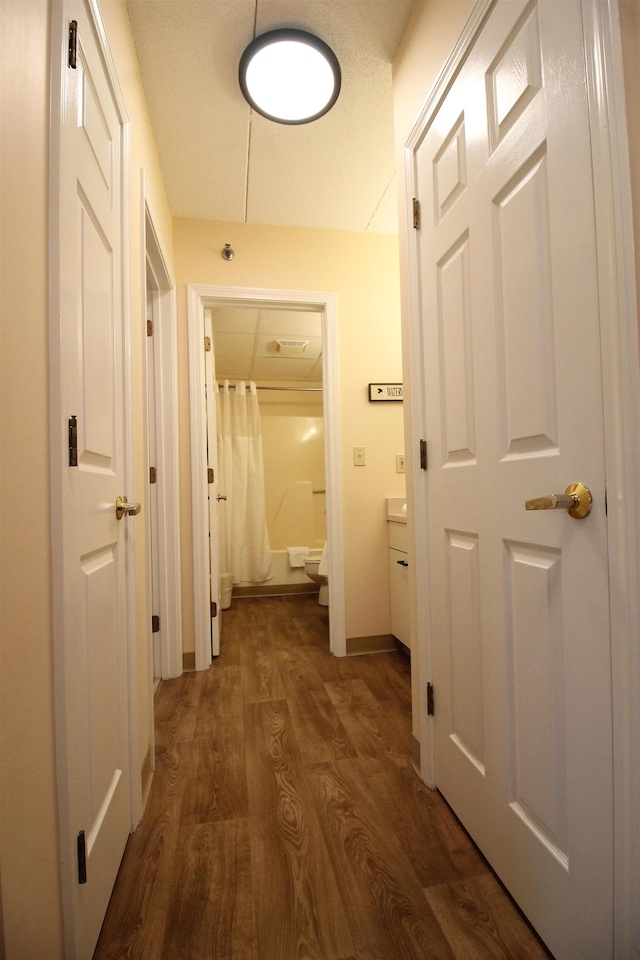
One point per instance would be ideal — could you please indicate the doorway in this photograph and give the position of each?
(163, 527)
(280, 351)
(200, 299)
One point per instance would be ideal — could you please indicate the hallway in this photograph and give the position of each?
(285, 820)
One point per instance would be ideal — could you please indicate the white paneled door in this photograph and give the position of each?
(90, 472)
(512, 370)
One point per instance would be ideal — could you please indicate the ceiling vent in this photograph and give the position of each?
(291, 348)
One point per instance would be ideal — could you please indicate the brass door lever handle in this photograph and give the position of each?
(123, 507)
(576, 500)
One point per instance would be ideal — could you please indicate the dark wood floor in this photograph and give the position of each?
(285, 821)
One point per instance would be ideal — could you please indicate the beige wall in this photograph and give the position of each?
(362, 270)
(28, 812)
(293, 446)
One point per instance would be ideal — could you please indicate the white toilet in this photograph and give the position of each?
(312, 569)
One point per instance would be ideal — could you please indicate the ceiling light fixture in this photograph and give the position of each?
(290, 76)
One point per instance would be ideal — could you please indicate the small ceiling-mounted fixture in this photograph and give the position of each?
(227, 253)
(291, 348)
(290, 76)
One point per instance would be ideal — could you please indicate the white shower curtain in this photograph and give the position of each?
(243, 539)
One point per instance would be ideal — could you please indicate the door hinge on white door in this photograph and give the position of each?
(416, 213)
(214, 609)
(429, 699)
(73, 441)
(73, 44)
(209, 474)
(149, 328)
(155, 623)
(423, 454)
(207, 344)
(82, 857)
(153, 475)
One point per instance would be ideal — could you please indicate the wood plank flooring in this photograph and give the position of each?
(285, 821)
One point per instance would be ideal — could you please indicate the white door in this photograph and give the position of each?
(512, 369)
(212, 483)
(89, 545)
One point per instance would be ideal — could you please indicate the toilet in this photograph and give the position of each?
(312, 567)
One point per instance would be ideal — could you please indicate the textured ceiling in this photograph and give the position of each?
(222, 161)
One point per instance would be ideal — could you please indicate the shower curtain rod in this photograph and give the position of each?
(232, 386)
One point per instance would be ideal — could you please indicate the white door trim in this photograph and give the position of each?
(199, 297)
(621, 386)
(168, 495)
(58, 462)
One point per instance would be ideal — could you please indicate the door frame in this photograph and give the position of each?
(198, 298)
(165, 336)
(621, 390)
(58, 453)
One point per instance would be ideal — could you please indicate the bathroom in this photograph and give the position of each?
(281, 351)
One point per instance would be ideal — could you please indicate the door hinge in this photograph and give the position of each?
(214, 609)
(149, 328)
(416, 214)
(207, 344)
(153, 475)
(73, 441)
(423, 454)
(429, 699)
(155, 623)
(209, 474)
(82, 857)
(73, 44)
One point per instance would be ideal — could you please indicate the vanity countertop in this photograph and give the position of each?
(397, 509)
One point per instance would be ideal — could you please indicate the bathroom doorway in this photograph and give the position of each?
(280, 350)
(246, 326)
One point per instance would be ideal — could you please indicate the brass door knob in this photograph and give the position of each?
(576, 500)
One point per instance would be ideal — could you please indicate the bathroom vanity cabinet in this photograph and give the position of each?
(399, 576)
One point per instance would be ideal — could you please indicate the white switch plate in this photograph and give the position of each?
(358, 456)
(400, 467)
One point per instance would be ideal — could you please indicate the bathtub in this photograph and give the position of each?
(285, 580)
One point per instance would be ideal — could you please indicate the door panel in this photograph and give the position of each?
(512, 371)
(90, 545)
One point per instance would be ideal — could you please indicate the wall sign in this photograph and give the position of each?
(385, 391)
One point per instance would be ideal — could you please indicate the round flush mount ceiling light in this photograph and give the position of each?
(290, 76)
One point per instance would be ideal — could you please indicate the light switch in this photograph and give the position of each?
(358, 456)
(400, 467)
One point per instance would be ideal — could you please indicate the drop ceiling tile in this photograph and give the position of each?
(233, 344)
(289, 323)
(234, 319)
(316, 371)
(266, 347)
(281, 369)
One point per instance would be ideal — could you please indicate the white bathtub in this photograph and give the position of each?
(285, 579)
